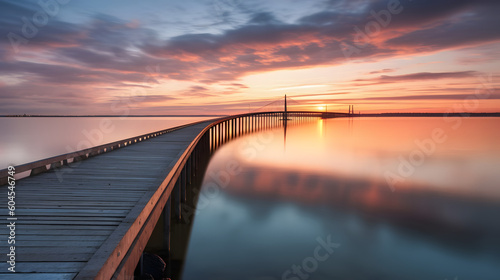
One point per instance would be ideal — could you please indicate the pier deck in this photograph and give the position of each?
(92, 219)
(70, 220)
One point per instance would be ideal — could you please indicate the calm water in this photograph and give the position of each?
(24, 140)
(369, 198)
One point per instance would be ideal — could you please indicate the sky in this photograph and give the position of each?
(125, 57)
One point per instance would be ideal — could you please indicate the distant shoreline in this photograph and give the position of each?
(105, 116)
(463, 114)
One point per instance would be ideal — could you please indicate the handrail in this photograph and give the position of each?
(150, 207)
(47, 164)
(59, 160)
(120, 253)
(122, 257)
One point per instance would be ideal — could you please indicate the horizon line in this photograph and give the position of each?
(223, 115)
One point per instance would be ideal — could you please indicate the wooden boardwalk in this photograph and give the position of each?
(68, 228)
(92, 219)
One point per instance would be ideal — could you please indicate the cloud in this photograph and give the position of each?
(320, 94)
(420, 76)
(469, 28)
(428, 97)
(108, 52)
(236, 85)
(387, 70)
(266, 44)
(196, 91)
(142, 99)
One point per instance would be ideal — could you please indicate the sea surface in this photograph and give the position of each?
(27, 139)
(363, 198)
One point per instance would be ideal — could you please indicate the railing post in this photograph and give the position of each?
(212, 138)
(253, 123)
(183, 184)
(177, 199)
(233, 128)
(166, 226)
(195, 157)
(218, 135)
(224, 132)
(38, 170)
(189, 169)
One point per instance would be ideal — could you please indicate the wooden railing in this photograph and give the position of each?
(51, 163)
(171, 193)
(118, 257)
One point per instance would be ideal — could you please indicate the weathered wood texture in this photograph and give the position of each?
(93, 218)
(69, 220)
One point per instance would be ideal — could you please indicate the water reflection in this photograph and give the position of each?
(264, 221)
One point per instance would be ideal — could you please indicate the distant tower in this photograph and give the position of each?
(285, 116)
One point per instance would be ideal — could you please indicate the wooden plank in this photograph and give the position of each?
(22, 228)
(38, 276)
(84, 215)
(23, 237)
(57, 243)
(70, 211)
(44, 267)
(24, 251)
(61, 232)
(112, 252)
(54, 257)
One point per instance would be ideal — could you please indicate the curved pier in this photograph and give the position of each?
(89, 214)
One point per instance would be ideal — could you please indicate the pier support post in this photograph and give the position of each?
(219, 142)
(166, 226)
(182, 178)
(177, 199)
(38, 170)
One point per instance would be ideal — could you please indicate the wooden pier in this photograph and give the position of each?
(89, 214)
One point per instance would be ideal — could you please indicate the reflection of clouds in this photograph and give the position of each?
(276, 211)
(425, 211)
